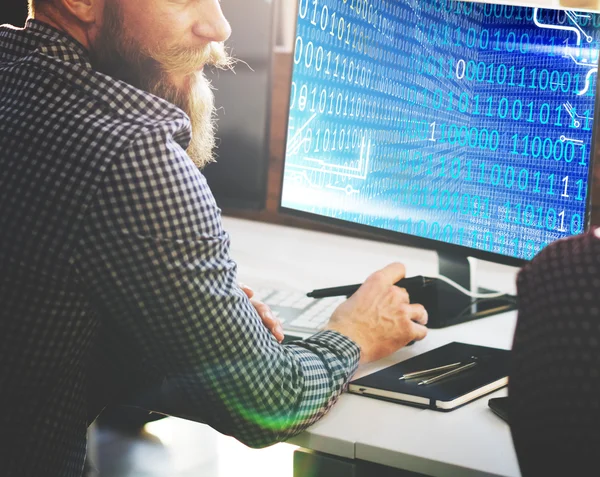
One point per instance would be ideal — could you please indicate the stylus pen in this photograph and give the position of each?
(435, 379)
(425, 372)
(411, 284)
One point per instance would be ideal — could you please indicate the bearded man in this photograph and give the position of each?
(115, 275)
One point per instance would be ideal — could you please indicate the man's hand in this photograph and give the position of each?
(379, 316)
(265, 313)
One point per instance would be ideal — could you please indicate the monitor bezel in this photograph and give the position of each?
(410, 240)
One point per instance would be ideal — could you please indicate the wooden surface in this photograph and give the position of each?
(282, 72)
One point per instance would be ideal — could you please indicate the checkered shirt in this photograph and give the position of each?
(115, 274)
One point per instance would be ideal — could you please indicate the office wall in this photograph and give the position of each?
(238, 178)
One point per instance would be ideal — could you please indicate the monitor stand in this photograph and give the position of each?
(447, 306)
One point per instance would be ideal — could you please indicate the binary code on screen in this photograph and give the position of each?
(467, 123)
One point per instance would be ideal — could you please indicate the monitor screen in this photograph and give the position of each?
(464, 123)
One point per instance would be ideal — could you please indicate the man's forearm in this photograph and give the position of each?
(295, 392)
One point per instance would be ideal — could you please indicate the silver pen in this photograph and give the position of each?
(424, 372)
(435, 379)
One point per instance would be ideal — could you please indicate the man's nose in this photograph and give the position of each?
(211, 24)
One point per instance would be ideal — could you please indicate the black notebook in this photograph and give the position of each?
(490, 373)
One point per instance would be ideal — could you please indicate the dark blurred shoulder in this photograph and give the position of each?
(568, 262)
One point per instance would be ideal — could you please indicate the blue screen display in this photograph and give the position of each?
(467, 123)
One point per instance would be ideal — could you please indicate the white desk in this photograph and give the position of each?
(470, 441)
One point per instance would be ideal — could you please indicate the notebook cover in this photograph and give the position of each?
(492, 365)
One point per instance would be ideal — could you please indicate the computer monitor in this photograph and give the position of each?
(462, 127)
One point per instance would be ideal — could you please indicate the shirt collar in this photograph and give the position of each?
(58, 43)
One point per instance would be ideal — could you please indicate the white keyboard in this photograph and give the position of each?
(296, 311)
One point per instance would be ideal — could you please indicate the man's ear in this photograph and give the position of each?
(87, 11)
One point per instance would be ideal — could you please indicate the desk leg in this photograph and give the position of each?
(308, 463)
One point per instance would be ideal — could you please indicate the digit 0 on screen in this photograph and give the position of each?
(466, 123)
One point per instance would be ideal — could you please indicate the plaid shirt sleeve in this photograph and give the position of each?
(154, 260)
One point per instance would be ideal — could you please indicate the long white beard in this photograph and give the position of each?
(197, 101)
(202, 115)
